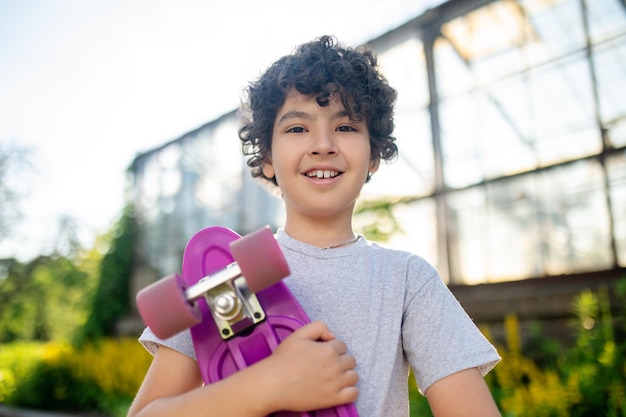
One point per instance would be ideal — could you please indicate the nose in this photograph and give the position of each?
(323, 143)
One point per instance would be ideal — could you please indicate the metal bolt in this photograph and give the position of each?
(225, 304)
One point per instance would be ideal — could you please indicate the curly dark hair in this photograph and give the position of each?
(322, 68)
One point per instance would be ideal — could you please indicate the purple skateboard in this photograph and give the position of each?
(232, 297)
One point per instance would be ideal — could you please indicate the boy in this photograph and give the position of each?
(319, 123)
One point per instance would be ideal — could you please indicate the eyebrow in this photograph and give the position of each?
(297, 114)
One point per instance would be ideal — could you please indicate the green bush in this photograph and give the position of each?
(16, 362)
(102, 377)
(585, 379)
(598, 358)
(56, 387)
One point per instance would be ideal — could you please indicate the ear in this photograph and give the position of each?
(268, 168)
(374, 164)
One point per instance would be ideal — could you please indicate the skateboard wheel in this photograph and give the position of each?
(260, 259)
(165, 309)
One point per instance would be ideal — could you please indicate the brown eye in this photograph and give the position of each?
(346, 129)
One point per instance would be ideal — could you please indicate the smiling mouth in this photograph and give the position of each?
(319, 173)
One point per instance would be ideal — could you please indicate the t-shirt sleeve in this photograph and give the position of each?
(180, 342)
(438, 336)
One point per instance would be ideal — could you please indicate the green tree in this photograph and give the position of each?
(43, 299)
(111, 301)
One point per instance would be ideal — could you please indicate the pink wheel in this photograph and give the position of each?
(260, 258)
(164, 308)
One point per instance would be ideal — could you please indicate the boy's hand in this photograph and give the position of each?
(311, 370)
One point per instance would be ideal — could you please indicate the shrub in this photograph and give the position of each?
(586, 379)
(101, 377)
(523, 389)
(17, 360)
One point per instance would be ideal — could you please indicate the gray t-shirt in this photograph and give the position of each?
(392, 310)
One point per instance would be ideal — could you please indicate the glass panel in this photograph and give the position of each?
(617, 132)
(575, 219)
(488, 40)
(538, 117)
(460, 140)
(610, 67)
(217, 162)
(159, 182)
(504, 38)
(607, 18)
(162, 181)
(557, 29)
(495, 232)
(487, 134)
(453, 75)
(549, 223)
(404, 66)
(499, 130)
(616, 170)
(419, 223)
(467, 245)
(513, 233)
(508, 139)
(412, 173)
(564, 110)
(405, 70)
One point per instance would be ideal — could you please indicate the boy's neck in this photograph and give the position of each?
(323, 234)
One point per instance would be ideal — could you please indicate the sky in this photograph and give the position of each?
(86, 86)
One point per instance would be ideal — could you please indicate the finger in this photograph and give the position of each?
(348, 362)
(316, 330)
(339, 346)
(348, 394)
(348, 380)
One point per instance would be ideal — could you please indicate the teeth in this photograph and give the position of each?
(322, 174)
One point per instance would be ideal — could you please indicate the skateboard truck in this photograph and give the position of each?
(169, 305)
(232, 304)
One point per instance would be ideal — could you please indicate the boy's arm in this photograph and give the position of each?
(464, 393)
(309, 370)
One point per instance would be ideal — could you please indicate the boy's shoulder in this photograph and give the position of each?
(405, 257)
(387, 250)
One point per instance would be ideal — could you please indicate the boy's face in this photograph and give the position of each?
(320, 158)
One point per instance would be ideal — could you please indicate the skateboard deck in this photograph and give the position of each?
(232, 298)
